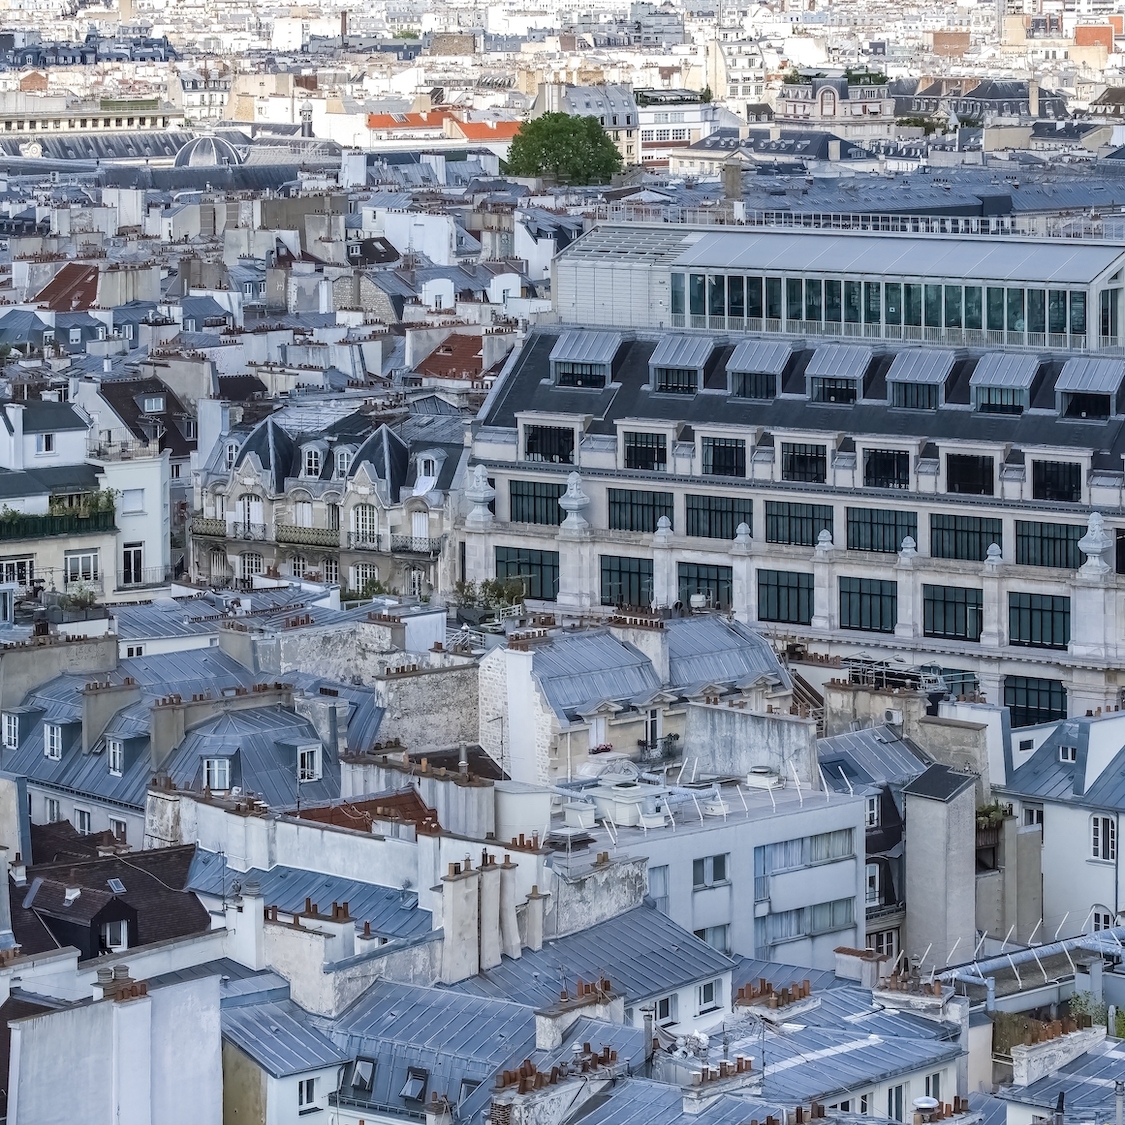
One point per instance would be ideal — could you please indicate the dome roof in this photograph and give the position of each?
(207, 152)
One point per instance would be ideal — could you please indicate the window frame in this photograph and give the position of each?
(657, 462)
(703, 871)
(216, 769)
(52, 741)
(872, 602)
(536, 499)
(307, 772)
(1103, 838)
(786, 596)
(115, 756)
(11, 740)
(804, 462)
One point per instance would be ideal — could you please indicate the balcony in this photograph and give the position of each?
(416, 545)
(308, 536)
(252, 531)
(127, 449)
(41, 527)
(200, 525)
(144, 576)
(364, 541)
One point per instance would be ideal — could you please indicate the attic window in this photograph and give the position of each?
(429, 467)
(232, 453)
(414, 1090)
(115, 756)
(216, 773)
(11, 731)
(312, 462)
(343, 462)
(308, 763)
(115, 936)
(1068, 753)
(154, 404)
(363, 1075)
(116, 886)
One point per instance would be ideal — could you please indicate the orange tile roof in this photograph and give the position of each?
(487, 130)
(432, 119)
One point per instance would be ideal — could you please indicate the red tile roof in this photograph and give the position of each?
(486, 130)
(456, 357)
(75, 286)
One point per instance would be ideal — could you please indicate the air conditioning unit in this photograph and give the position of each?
(893, 717)
(762, 777)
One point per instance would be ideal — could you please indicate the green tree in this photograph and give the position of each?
(570, 150)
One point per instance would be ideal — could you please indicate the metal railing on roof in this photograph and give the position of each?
(1091, 227)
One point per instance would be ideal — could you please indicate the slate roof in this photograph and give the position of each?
(874, 756)
(392, 912)
(637, 1101)
(126, 398)
(524, 388)
(577, 671)
(939, 783)
(280, 1037)
(154, 884)
(708, 649)
(642, 952)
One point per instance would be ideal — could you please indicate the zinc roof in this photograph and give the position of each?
(280, 1038)
(642, 952)
(391, 911)
(707, 649)
(579, 346)
(636, 1101)
(1005, 369)
(760, 357)
(866, 757)
(921, 365)
(1085, 373)
(576, 672)
(682, 351)
(840, 361)
(1038, 263)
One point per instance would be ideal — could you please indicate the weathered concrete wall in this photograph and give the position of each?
(959, 744)
(244, 1087)
(492, 696)
(603, 891)
(731, 740)
(846, 703)
(433, 707)
(940, 876)
(25, 667)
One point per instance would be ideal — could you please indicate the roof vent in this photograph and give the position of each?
(71, 895)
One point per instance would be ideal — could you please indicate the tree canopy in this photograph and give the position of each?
(570, 150)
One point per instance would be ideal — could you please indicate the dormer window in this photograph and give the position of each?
(835, 373)
(312, 462)
(429, 467)
(584, 359)
(216, 774)
(11, 731)
(1089, 388)
(917, 378)
(115, 756)
(308, 763)
(1001, 383)
(154, 404)
(52, 741)
(343, 462)
(231, 454)
(678, 363)
(755, 368)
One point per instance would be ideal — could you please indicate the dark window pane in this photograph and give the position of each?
(784, 595)
(954, 612)
(626, 582)
(880, 529)
(1049, 544)
(964, 537)
(1033, 701)
(717, 517)
(549, 443)
(724, 457)
(832, 390)
(648, 452)
(886, 468)
(714, 581)
(1039, 620)
(1056, 480)
(969, 474)
(637, 511)
(535, 501)
(869, 604)
(538, 569)
(802, 462)
(751, 384)
(799, 524)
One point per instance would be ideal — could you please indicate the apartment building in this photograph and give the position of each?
(858, 105)
(346, 496)
(917, 503)
(80, 514)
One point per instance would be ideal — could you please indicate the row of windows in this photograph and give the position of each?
(807, 463)
(833, 301)
(629, 582)
(868, 529)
